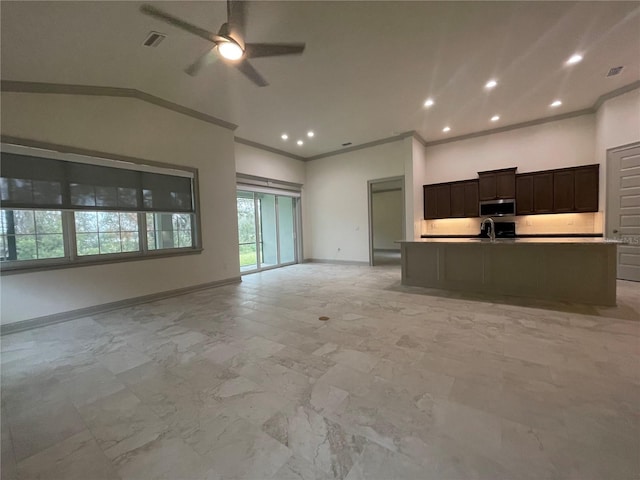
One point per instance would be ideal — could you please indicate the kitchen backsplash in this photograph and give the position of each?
(525, 224)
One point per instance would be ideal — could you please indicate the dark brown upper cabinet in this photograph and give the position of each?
(496, 184)
(553, 191)
(437, 201)
(543, 192)
(563, 191)
(524, 194)
(464, 198)
(443, 201)
(558, 191)
(586, 188)
(430, 201)
(534, 193)
(471, 200)
(487, 187)
(457, 199)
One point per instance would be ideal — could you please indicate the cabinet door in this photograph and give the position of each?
(443, 201)
(471, 207)
(430, 199)
(563, 191)
(524, 194)
(457, 199)
(506, 184)
(487, 186)
(543, 193)
(586, 188)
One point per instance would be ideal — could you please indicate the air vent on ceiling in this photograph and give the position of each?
(614, 71)
(346, 144)
(153, 39)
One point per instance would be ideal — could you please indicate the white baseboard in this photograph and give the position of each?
(336, 262)
(106, 307)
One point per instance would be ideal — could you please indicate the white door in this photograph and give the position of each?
(623, 208)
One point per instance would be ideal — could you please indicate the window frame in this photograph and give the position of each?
(71, 258)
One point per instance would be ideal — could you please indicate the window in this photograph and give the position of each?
(31, 234)
(106, 232)
(63, 208)
(169, 230)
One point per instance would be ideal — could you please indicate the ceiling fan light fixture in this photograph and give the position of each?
(230, 50)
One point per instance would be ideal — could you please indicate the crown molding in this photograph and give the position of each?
(375, 143)
(615, 93)
(577, 113)
(515, 126)
(68, 89)
(267, 148)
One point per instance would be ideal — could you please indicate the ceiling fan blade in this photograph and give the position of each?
(236, 18)
(176, 22)
(207, 58)
(255, 50)
(245, 67)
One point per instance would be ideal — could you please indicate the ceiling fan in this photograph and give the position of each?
(229, 41)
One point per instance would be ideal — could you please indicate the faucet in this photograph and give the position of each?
(492, 231)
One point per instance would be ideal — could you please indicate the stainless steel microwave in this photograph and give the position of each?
(498, 208)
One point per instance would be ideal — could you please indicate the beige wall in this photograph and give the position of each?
(128, 127)
(617, 124)
(262, 163)
(415, 203)
(335, 206)
(564, 143)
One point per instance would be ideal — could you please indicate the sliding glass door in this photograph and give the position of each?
(266, 230)
(247, 230)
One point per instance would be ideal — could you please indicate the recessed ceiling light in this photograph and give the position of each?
(577, 58)
(556, 103)
(495, 118)
(300, 142)
(429, 102)
(284, 136)
(490, 84)
(310, 134)
(446, 129)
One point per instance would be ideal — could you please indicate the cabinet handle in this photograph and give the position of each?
(615, 230)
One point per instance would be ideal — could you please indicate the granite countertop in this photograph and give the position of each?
(524, 235)
(505, 241)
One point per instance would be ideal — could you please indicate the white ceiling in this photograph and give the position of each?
(365, 74)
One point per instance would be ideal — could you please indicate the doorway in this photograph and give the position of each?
(267, 230)
(623, 207)
(386, 220)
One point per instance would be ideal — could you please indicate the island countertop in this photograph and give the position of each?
(511, 241)
(571, 269)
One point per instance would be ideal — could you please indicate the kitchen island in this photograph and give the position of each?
(581, 270)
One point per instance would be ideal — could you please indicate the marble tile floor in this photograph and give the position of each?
(244, 382)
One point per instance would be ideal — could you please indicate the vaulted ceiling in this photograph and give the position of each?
(367, 70)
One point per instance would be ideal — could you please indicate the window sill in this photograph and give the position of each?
(95, 260)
